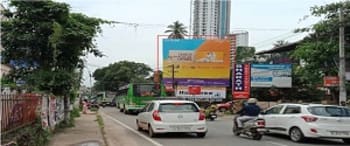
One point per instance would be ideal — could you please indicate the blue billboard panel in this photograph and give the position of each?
(271, 75)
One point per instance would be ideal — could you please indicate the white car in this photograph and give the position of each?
(168, 116)
(301, 121)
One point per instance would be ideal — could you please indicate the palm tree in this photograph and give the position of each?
(177, 30)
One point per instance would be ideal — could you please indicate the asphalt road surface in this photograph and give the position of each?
(219, 134)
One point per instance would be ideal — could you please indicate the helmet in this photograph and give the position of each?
(252, 101)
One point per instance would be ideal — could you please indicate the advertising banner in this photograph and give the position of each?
(331, 81)
(196, 62)
(241, 81)
(271, 75)
(205, 92)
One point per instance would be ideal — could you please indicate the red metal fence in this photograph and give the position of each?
(18, 110)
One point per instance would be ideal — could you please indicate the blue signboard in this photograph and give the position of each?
(271, 75)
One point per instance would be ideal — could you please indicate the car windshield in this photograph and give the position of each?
(329, 111)
(177, 107)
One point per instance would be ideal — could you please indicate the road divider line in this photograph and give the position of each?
(133, 130)
(276, 143)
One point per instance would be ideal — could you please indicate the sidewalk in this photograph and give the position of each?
(85, 133)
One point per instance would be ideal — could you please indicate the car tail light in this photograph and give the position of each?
(201, 116)
(156, 116)
(309, 118)
(260, 123)
(313, 130)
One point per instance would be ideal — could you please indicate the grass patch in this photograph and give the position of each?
(101, 124)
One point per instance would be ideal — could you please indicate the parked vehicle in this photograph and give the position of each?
(106, 98)
(172, 116)
(222, 107)
(93, 103)
(301, 121)
(254, 129)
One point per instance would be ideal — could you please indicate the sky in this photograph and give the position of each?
(267, 21)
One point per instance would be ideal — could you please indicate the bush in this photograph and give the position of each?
(75, 112)
(31, 135)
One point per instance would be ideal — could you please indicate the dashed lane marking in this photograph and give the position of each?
(276, 143)
(133, 130)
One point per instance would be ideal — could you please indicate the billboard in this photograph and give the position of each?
(271, 75)
(241, 81)
(206, 92)
(196, 62)
(331, 81)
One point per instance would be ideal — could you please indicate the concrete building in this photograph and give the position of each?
(210, 18)
(238, 39)
(4, 69)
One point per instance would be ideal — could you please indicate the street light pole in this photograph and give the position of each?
(342, 89)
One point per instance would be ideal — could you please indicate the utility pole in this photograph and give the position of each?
(342, 89)
(173, 75)
(90, 84)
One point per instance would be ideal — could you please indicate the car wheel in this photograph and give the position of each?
(296, 135)
(150, 131)
(138, 126)
(222, 109)
(346, 140)
(257, 136)
(121, 110)
(235, 131)
(201, 135)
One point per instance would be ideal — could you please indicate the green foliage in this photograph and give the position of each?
(177, 30)
(244, 54)
(31, 135)
(7, 82)
(76, 112)
(319, 50)
(119, 74)
(48, 41)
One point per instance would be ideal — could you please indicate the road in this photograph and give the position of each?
(219, 134)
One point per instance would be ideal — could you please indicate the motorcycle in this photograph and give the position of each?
(210, 112)
(254, 129)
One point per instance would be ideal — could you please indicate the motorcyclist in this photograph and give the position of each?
(248, 112)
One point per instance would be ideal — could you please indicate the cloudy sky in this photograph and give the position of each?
(266, 21)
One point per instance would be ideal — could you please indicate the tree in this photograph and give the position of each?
(245, 54)
(319, 50)
(113, 76)
(177, 30)
(45, 43)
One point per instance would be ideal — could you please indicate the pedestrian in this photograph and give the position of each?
(85, 106)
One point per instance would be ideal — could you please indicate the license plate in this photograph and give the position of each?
(340, 133)
(181, 128)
